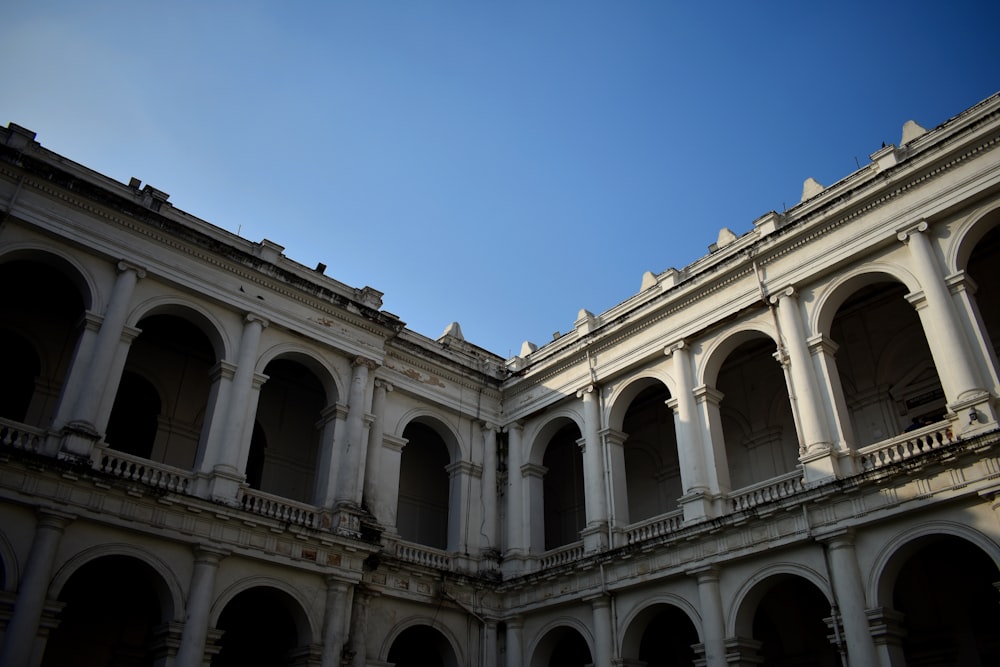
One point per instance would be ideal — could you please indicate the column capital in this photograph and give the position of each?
(777, 296)
(488, 426)
(513, 427)
(676, 346)
(904, 234)
(706, 394)
(705, 574)
(383, 384)
(589, 390)
(598, 600)
(210, 555)
(837, 539)
(250, 318)
(360, 360)
(124, 265)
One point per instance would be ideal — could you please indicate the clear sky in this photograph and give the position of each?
(500, 164)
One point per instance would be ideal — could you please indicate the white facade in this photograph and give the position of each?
(784, 453)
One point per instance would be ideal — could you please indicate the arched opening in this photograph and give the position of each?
(259, 628)
(757, 423)
(662, 635)
(652, 468)
(888, 376)
(135, 416)
(565, 511)
(562, 647)
(791, 624)
(113, 616)
(40, 314)
(424, 487)
(174, 358)
(947, 594)
(289, 422)
(984, 268)
(422, 646)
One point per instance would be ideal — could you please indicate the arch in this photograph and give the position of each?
(427, 498)
(320, 367)
(432, 624)
(621, 398)
(437, 423)
(748, 596)
(306, 627)
(830, 297)
(885, 567)
(172, 592)
(637, 621)
(721, 346)
(261, 625)
(202, 318)
(66, 263)
(540, 436)
(969, 232)
(548, 638)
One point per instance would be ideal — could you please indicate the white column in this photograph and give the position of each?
(618, 510)
(460, 478)
(22, 629)
(328, 461)
(713, 627)
(359, 627)
(76, 377)
(848, 590)
(489, 488)
(695, 501)
(201, 594)
(335, 621)
(949, 346)
(516, 514)
(513, 655)
(595, 535)
(376, 441)
(489, 643)
(601, 606)
(709, 425)
(354, 447)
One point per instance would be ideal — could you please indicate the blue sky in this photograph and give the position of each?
(499, 164)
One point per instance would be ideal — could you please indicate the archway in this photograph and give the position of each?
(791, 624)
(984, 268)
(564, 502)
(113, 615)
(259, 628)
(661, 635)
(421, 646)
(562, 647)
(652, 467)
(424, 486)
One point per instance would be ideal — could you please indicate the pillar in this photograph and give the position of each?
(595, 535)
(601, 605)
(359, 628)
(516, 514)
(335, 621)
(709, 425)
(490, 647)
(201, 594)
(848, 591)
(376, 437)
(22, 628)
(328, 461)
(488, 491)
(513, 656)
(354, 448)
(696, 499)
(713, 628)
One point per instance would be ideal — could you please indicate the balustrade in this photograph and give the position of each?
(906, 446)
(767, 491)
(140, 470)
(655, 527)
(421, 555)
(279, 509)
(561, 556)
(21, 436)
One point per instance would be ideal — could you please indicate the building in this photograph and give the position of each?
(784, 453)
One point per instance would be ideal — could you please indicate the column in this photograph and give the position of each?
(335, 621)
(489, 488)
(595, 535)
(713, 626)
(709, 425)
(618, 509)
(848, 591)
(354, 448)
(601, 605)
(695, 501)
(513, 655)
(490, 647)
(22, 629)
(373, 461)
(83, 415)
(359, 627)
(328, 462)
(949, 346)
(460, 478)
(516, 511)
(201, 593)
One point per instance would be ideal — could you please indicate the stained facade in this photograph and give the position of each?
(784, 453)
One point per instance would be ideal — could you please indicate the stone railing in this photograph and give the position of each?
(280, 509)
(421, 555)
(21, 436)
(139, 470)
(768, 491)
(561, 556)
(906, 446)
(655, 527)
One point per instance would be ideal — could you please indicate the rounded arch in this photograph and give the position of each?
(969, 232)
(169, 588)
(298, 604)
(757, 585)
(65, 263)
(434, 421)
(621, 398)
(830, 297)
(890, 558)
(638, 619)
(538, 438)
(426, 622)
(548, 637)
(317, 365)
(193, 313)
(719, 349)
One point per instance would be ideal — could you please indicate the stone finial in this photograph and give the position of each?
(810, 188)
(453, 330)
(726, 236)
(585, 322)
(910, 132)
(527, 347)
(648, 280)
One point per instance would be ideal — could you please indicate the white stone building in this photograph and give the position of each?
(784, 453)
